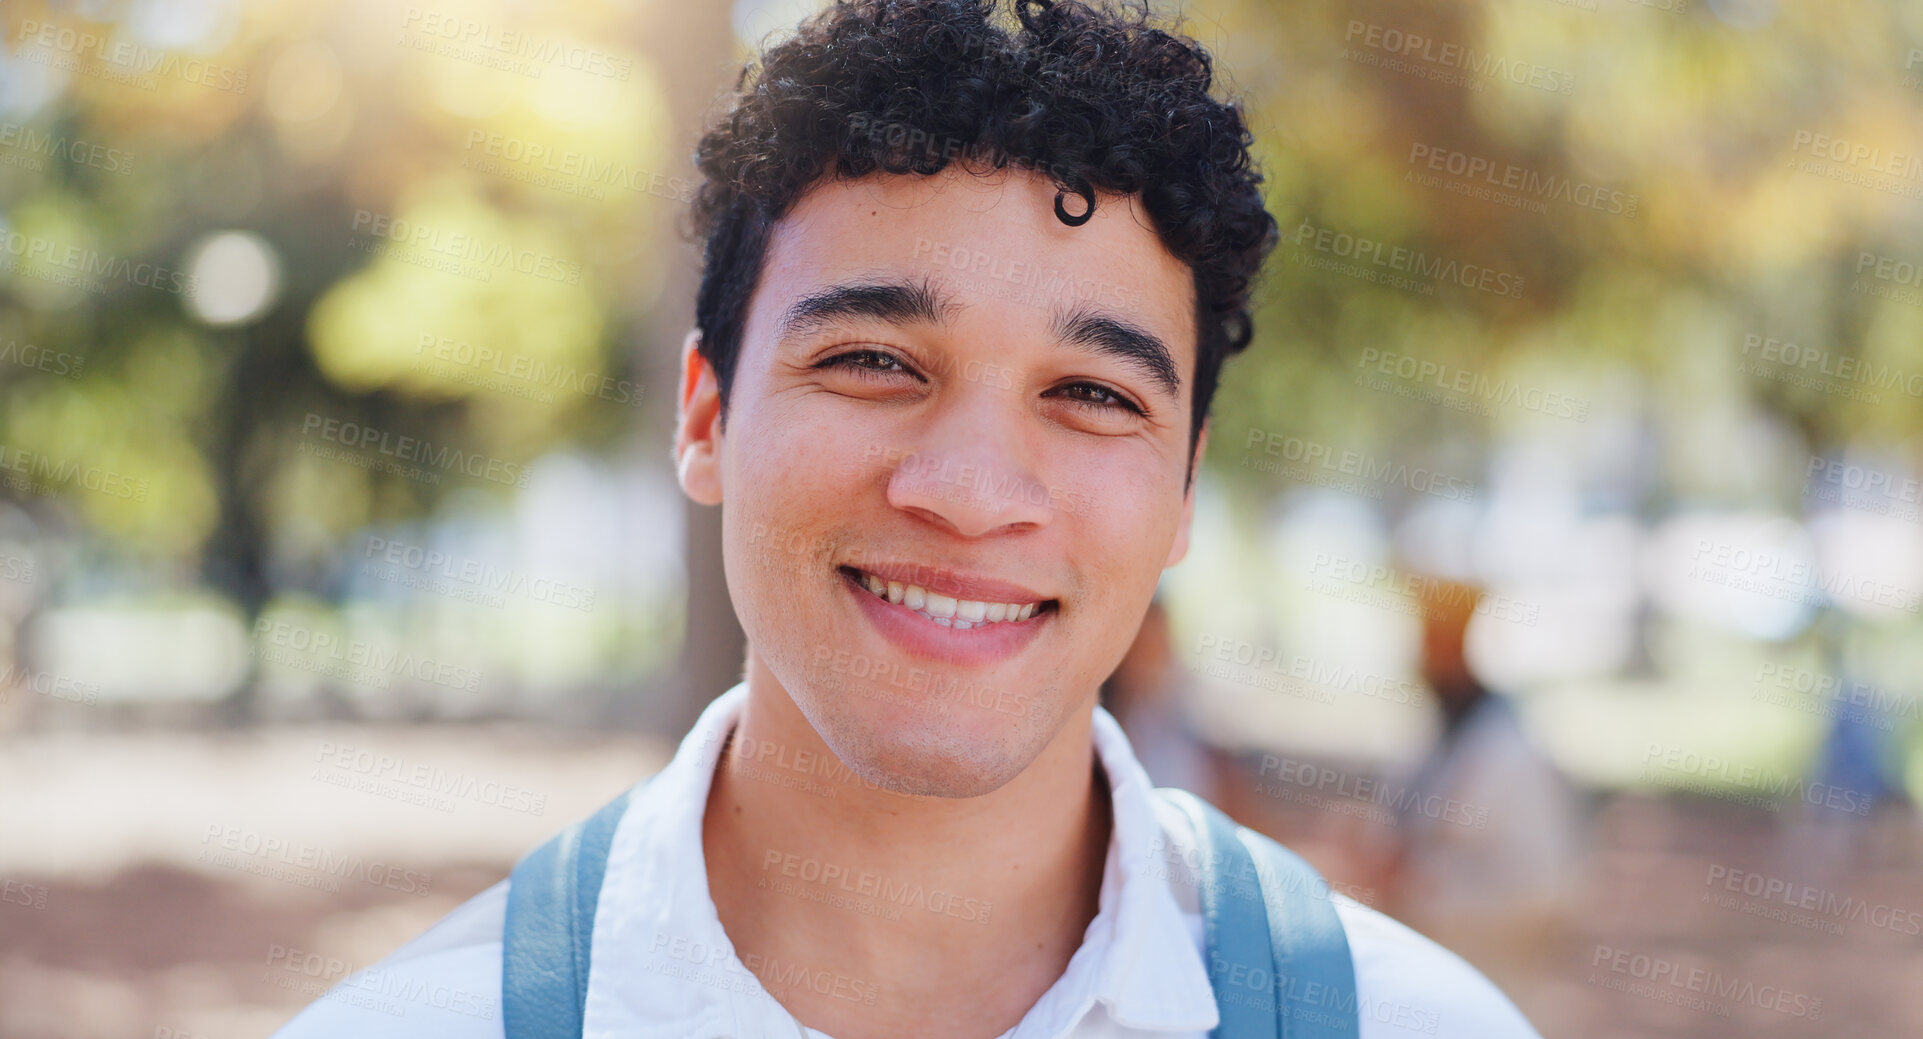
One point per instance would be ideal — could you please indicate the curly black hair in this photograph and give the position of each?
(1091, 98)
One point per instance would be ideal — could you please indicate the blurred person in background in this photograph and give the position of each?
(1148, 695)
(1826, 839)
(1485, 842)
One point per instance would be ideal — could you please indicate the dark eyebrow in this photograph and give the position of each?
(896, 302)
(1134, 346)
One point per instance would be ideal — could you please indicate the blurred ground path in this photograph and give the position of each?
(170, 885)
(1689, 918)
(131, 904)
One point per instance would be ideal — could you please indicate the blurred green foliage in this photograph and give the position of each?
(471, 220)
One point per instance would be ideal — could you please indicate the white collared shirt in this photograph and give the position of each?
(663, 968)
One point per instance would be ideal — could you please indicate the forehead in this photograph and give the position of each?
(992, 239)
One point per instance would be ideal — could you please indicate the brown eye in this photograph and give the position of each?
(1102, 398)
(869, 364)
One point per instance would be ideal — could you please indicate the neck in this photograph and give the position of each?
(948, 917)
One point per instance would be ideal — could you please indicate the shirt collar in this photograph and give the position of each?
(664, 967)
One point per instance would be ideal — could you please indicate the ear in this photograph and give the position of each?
(697, 426)
(1180, 547)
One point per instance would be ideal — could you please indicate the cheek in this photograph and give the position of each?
(1131, 512)
(788, 474)
(793, 481)
(772, 528)
(798, 449)
(1122, 544)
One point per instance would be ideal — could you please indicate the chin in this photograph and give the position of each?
(938, 778)
(915, 748)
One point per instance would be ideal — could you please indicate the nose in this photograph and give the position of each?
(970, 468)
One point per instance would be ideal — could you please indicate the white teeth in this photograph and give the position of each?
(948, 611)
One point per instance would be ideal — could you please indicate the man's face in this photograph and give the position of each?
(942, 385)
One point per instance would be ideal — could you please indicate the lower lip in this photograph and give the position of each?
(916, 634)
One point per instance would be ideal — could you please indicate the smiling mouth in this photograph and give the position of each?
(945, 610)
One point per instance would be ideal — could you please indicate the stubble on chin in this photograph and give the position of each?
(918, 752)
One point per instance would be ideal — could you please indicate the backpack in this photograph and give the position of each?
(1277, 956)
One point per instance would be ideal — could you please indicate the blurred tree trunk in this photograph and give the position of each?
(693, 48)
(234, 560)
(267, 368)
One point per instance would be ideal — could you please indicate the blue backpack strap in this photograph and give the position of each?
(1237, 928)
(1318, 997)
(551, 898)
(1281, 969)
